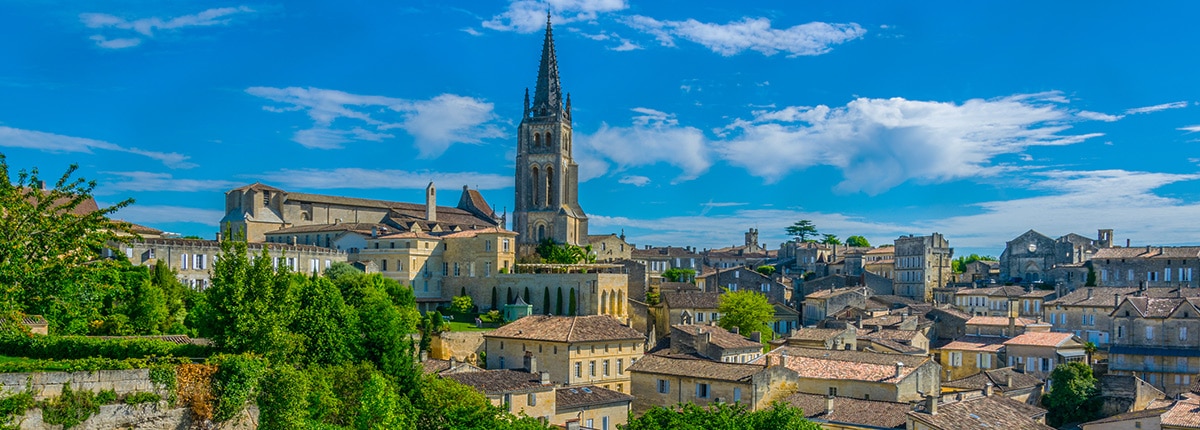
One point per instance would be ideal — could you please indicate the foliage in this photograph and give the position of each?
(462, 304)
(337, 270)
(252, 304)
(141, 397)
(959, 265)
(1073, 394)
(14, 406)
(328, 327)
(749, 311)
(148, 311)
(283, 399)
(558, 302)
(555, 253)
(194, 389)
(571, 303)
(830, 239)
(163, 376)
(49, 253)
(83, 364)
(546, 300)
(766, 270)
(446, 404)
(653, 298)
(1091, 277)
(722, 416)
(106, 397)
(24, 344)
(380, 408)
(858, 241)
(676, 274)
(234, 384)
(70, 408)
(801, 230)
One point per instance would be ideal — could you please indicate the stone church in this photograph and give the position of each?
(547, 178)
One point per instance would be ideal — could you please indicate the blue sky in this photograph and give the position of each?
(694, 120)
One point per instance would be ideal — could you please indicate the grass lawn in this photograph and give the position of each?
(465, 326)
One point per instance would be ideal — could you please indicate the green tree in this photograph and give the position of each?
(558, 309)
(175, 294)
(959, 265)
(283, 399)
(1090, 349)
(555, 253)
(446, 404)
(858, 241)
(495, 299)
(571, 303)
(546, 300)
(461, 304)
(340, 269)
(380, 408)
(676, 274)
(1072, 394)
(749, 311)
(1091, 277)
(722, 416)
(328, 326)
(251, 304)
(766, 270)
(830, 239)
(148, 312)
(50, 242)
(802, 230)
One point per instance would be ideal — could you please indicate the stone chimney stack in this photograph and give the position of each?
(430, 203)
(544, 377)
(530, 362)
(931, 404)
(899, 369)
(1116, 300)
(756, 336)
(1089, 293)
(828, 406)
(987, 389)
(1008, 381)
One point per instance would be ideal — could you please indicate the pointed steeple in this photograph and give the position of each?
(547, 95)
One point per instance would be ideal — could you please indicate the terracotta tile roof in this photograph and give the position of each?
(825, 294)
(890, 334)
(848, 410)
(501, 381)
(691, 300)
(993, 412)
(840, 364)
(478, 231)
(883, 250)
(677, 287)
(344, 226)
(141, 229)
(719, 336)
(1101, 297)
(998, 378)
(704, 369)
(998, 321)
(590, 395)
(1135, 415)
(255, 186)
(1185, 412)
(408, 235)
(892, 345)
(818, 334)
(975, 343)
(590, 328)
(1159, 307)
(435, 366)
(1041, 339)
(1148, 252)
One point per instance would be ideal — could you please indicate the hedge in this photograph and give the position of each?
(16, 344)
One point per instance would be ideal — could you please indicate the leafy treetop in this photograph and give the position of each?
(802, 230)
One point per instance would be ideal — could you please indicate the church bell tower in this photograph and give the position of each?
(547, 178)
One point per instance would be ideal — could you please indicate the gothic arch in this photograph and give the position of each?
(620, 303)
(541, 232)
(534, 188)
(548, 139)
(537, 140)
(550, 201)
(604, 302)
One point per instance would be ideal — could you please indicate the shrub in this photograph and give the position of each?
(141, 397)
(14, 406)
(70, 408)
(106, 397)
(18, 344)
(235, 383)
(282, 401)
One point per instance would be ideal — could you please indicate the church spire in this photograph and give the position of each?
(547, 95)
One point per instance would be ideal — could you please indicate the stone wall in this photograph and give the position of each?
(147, 416)
(459, 345)
(49, 384)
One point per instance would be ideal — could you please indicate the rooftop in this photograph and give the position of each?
(502, 381)
(719, 336)
(705, 369)
(1041, 339)
(999, 378)
(998, 321)
(848, 410)
(841, 364)
(590, 328)
(1184, 412)
(992, 412)
(691, 299)
(590, 395)
(976, 343)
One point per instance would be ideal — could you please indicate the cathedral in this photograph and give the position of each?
(547, 178)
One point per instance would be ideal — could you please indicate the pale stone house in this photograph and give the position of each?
(591, 407)
(970, 354)
(715, 343)
(922, 264)
(859, 374)
(668, 381)
(1038, 353)
(581, 350)
(990, 411)
(1156, 339)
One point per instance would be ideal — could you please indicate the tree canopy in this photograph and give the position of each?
(830, 239)
(959, 265)
(802, 230)
(556, 253)
(722, 416)
(749, 311)
(1072, 395)
(676, 274)
(858, 241)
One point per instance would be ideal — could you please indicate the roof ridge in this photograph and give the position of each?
(571, 331)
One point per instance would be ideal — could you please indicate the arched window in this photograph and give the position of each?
(541, 233)
(533, 192)
(537, 140)
(550, 186)
(604, 302)
(548, 140)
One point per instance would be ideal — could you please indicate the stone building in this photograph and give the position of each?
(969, 355)
(715, 343)
(821, 338)
(1151, 266)
(659, 259)
(750, 254)
(922, 264)
(847, 413)
(591, 407)
(988, 411)
(1087, 312)
(996, 301)
(1035, 257)
(1038, 353)
(881, 261)
(426, 261)
(668, 381)
(686, 307)
(521, 391)
(822, 304)
(1156, 339)
(257, 209)
(610, 247)
(743, 279)
(859, 374)
(582, 350)
(547, 178)
(193, 259)
(596, 291)
(824, 259)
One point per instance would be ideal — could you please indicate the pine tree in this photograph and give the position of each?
(571, 304)
(558, 307)
(546, 301)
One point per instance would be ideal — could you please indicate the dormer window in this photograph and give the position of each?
(266, 198)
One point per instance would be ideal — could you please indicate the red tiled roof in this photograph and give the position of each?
(975, 343)
(1041, 339)
(590, 328)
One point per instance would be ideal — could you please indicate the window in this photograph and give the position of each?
(1120, 331)
(383, 265)
(532, 399)
(984, 360)
(445, 269)
(1149, 332)
(266, 198)
(701, 391)
(606, 368)
(604, 422)
(664, 386)
(456, 271)
(592, 368)
(578, 370)
(955, 359)
(183, 262)
(505, 245)
(501, 361)
(737, 394)
(1152, 276)
(620, 366)
(487, 245)
(487, 269)
(833, 391)
(1183, 333)
(699, 316)
(508, 402)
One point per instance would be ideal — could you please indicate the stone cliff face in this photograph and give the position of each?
(151, 416)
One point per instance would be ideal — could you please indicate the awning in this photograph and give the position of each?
(1072, 354)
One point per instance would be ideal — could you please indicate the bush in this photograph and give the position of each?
(19, 344)
(14, 406)
(141, 397)
(235, 383)
(70, 408)
(461, 304)
(282, 401)
(87, 364)
(106, 397)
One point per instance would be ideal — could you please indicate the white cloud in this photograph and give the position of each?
(435, 124)
(1098, 116)
(50, 142)
(146, 27)
(527, 16)
(150, 181)
(1191, 128)
(347, 178)
(881, 143)
(655, 137)
(635, 180)
(472, 31)
(814, 38)
(1156, 108)
(623, 44)
(142, 214)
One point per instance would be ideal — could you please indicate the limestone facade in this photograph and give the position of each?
(1156, 339)
(1034, 257)
(922, 264)
(585, 350)
(193, 259)
(1151, 266)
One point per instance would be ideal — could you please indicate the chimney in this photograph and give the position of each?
(1089, 290)
(545, 377)
(1126, 242)
(899, 369)
(987, 389)
(573, 424)
(828, 406)
(42, 185)
(1012, 325)
(1008, 382)
(1116, 299)
(931, 404)
(756, 336)
(431, 202)
(530, 362)
(735, 330)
